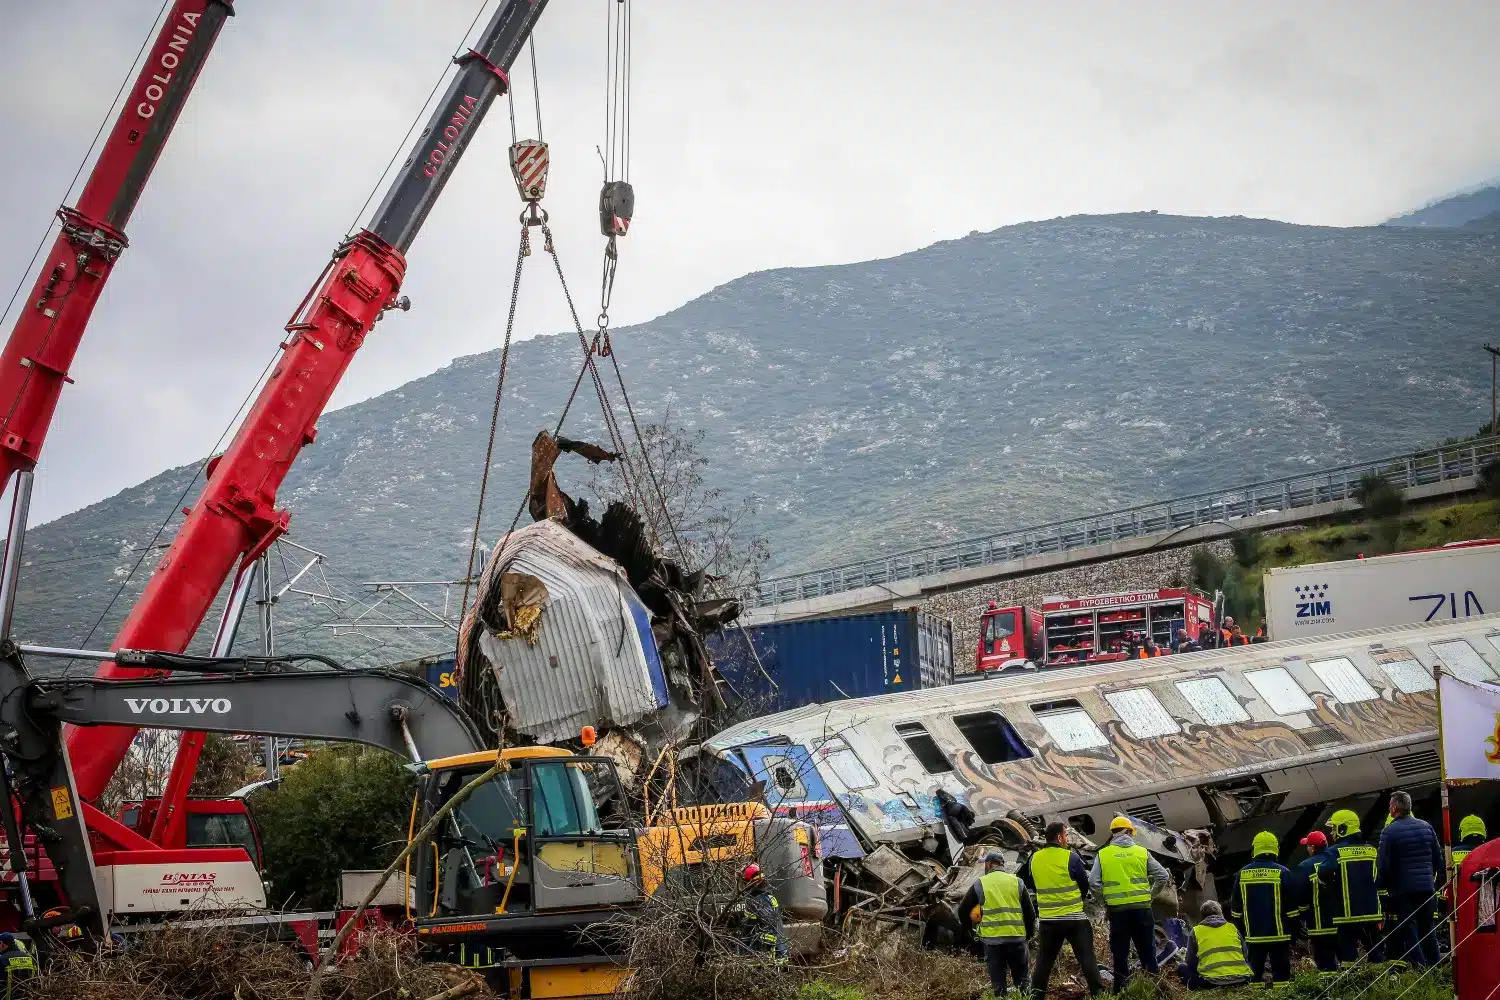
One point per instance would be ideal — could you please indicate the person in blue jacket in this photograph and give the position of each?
(1410, 867)
(1360, 905)
(1265, 902)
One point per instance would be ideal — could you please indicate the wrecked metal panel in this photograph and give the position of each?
(593, 663)
(1237, 735)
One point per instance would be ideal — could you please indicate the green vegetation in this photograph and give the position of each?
(1392, 530)
(342, 808)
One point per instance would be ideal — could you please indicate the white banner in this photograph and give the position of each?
(1471, 728)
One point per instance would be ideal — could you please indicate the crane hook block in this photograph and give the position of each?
(616, 206)
(528, 164)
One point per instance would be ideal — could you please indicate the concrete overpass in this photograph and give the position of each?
(908, 578)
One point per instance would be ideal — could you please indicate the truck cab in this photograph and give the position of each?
(1008, 637)
(210, 823)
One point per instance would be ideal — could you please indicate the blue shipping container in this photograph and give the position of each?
(440, 675)
(829, 659)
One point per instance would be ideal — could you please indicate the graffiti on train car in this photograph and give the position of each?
(1128, 763)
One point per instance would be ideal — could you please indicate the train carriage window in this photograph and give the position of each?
(845, 763)
(1462, 660)
(1213, 701)
(920, 742)
(1279, 690)
(783, 771)
(1070, 727)
(1142, 714)
(1344, 680)
(992, 737)
(1409, 676)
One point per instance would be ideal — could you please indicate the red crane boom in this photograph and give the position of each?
(34, 365)
(235, 518)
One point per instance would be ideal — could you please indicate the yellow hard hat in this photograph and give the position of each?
(1471, 826)
(1343, 822)
(1121, 823)
(1265, 843)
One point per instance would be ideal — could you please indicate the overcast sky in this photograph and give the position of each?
(765, 134)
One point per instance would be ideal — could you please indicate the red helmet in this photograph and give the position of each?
(751, 872)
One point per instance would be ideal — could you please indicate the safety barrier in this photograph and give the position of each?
(1419, 468)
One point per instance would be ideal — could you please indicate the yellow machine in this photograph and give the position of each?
(517, 876)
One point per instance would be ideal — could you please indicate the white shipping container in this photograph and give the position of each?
(1401, 589)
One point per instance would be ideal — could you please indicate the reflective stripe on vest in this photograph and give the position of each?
(1352, 860)
(1122, 873)
(1000, 912)
(1220, 954)
(1320, 924)
(1057, 895)
(1459, 853)
(1263, 877)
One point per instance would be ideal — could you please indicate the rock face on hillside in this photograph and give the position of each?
(1012, 377)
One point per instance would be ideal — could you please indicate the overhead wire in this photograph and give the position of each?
(109, 113)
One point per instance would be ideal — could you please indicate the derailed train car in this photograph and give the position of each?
(1270, 736)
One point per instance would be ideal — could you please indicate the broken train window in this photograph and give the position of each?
(1142, 714)
(1344, 680)
(1213, 702)
(1404, 670)
(1279, 690)
(1070, 727)
(1462, 660)
(992, 737)
(920, 742)
(783, 774)
(845, 763)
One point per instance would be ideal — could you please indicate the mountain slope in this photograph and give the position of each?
(1455, 211)
(1035, 372)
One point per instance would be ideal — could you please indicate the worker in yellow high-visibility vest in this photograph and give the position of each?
(1002, 914)
(1127, 877)
(1061, 884)
(1471, 834)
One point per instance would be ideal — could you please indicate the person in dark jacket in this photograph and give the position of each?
(957, 816)
(1060, 883)
(1410, 866)
(1360, 913)
(1319, 902)
(1003, 916)
(1216, 954)
(1208, 638)
(1264, 901)
(758, 917)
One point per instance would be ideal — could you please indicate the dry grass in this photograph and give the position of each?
(219, 964)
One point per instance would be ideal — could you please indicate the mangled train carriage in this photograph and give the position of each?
(1271, 736)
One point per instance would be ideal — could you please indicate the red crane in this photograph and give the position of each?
(235, 518)
(36, 359)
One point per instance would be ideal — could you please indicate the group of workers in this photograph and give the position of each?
(1348, 897)
(1143, 646)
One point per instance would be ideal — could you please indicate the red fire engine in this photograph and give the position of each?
(1088, 629)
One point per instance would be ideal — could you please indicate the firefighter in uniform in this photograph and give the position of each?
(1317, 878)
(20, 965)
(1265, 902)
(1003, 917)
(1360, 906)
(758, 915)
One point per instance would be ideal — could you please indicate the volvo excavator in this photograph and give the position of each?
(515, 883)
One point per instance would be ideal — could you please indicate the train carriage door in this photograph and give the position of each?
(576, 862)
(794, 788)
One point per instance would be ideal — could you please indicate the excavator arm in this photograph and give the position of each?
(378, 708)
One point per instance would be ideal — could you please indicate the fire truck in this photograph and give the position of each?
(1099, 629)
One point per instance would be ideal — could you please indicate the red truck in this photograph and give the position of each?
(1087, 629)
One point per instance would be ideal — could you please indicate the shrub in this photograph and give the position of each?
(342, 808)
(1246, 549)
(1378, 497)
(1206, 571)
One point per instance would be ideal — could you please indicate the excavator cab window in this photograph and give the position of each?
(561, 799)
(576, 860)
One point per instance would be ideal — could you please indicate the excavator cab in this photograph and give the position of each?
(548, 835)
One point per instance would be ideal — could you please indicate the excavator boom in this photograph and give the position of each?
(49, 326)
